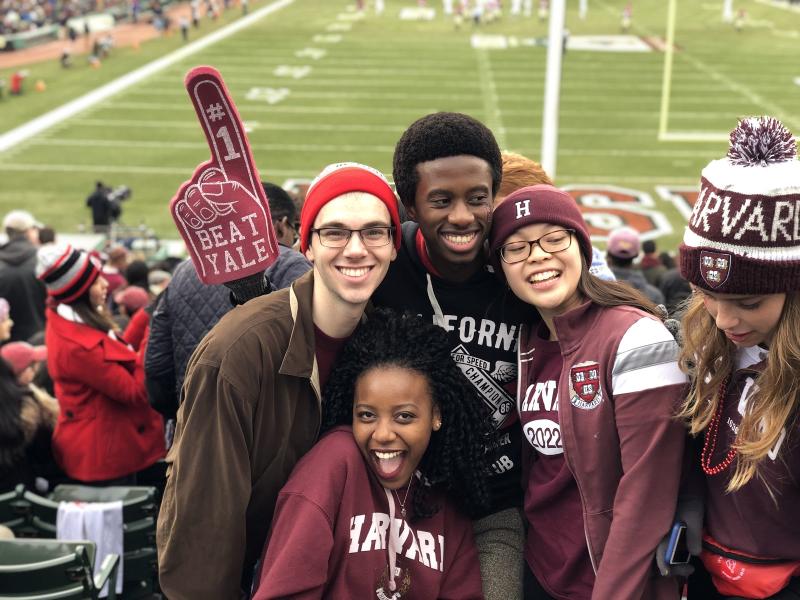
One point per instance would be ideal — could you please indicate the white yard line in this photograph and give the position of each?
(491, 105)
(252, 107)
(92, 143)
(127, 169)
(133, 124)
(353, 127)
(361, 110)
(119, 143)
(34, 127)
(173, 171)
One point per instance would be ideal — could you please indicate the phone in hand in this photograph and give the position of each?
(677, 552)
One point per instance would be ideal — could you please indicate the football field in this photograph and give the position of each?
(317, 82)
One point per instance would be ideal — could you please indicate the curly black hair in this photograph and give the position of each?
(455, 458)
(440, 135)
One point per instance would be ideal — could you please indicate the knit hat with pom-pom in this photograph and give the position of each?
(743, 236)
(67, 272)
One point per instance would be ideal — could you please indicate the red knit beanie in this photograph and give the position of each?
(537, 204)
(342, 178)
(743, 236)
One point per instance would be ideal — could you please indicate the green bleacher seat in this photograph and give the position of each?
(139, 512)
(52, 569)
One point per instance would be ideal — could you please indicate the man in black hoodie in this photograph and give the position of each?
(18, 282)
(447, 172)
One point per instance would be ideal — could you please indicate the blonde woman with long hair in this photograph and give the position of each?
(741, 253)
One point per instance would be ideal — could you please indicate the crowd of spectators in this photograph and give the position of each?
(17, 16)
(57, 305)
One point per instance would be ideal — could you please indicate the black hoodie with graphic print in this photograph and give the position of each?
(481, 317)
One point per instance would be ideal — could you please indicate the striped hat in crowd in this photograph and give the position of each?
(67, 272)
(743, 236)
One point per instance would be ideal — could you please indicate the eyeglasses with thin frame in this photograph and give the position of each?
(555, 241)
(338, 237)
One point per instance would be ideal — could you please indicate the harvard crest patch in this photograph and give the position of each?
(715, 267)
(584, 385)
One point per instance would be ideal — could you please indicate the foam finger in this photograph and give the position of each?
(222, 127)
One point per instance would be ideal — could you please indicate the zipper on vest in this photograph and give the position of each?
(580, 493)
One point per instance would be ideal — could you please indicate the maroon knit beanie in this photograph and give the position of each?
(343, 178)
(537, 204)
(743, 236)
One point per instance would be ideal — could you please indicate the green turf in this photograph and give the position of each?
(385, 73)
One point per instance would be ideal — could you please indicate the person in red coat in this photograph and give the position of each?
(106, 431)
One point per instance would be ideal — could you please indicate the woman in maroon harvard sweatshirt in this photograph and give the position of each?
(741, 253)
(379, 507)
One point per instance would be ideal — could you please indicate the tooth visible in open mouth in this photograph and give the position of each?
(387, 455)
(351, 272)
(460, 239)
(544, 276)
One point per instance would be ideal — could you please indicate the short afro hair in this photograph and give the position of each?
(455, 460)
(440, 135)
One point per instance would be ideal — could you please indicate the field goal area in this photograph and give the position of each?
(751, 94)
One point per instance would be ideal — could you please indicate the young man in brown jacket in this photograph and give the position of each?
(252, 395)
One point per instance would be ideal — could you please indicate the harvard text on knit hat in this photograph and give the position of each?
(746, 220)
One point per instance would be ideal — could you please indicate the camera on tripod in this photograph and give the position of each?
(106, 204)
(119, 193)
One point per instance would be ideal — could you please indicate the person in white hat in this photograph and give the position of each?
(18, 283)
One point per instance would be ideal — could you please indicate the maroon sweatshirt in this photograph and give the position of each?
(331, 527)
(749, 520)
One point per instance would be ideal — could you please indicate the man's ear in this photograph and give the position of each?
(310, 252)
(411, 211)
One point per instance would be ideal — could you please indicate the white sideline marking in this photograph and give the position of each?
(65, 111)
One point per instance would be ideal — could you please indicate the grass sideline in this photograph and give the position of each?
(355, 101)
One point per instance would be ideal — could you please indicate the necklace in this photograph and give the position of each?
(710, 443)
(403, 503)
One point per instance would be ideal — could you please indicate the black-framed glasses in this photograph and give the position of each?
(339, 237)
(555, 241)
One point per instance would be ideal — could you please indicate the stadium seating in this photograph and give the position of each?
(139, 511)
(13, 510)
(44, 569)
